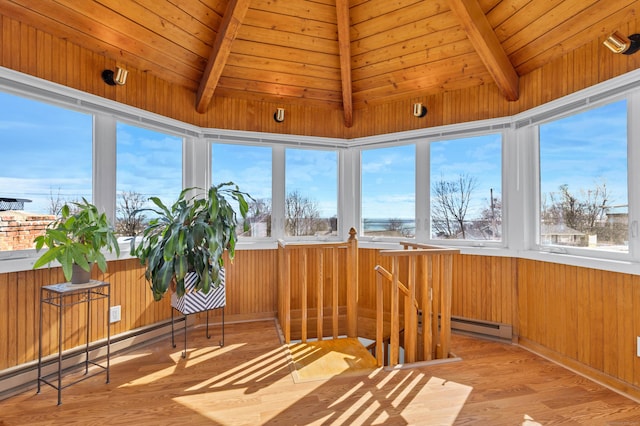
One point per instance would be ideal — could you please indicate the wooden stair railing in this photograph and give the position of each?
(435, 303)
(303, 281)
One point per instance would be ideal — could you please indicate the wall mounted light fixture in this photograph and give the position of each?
(618, 43)
(115, 78)
(278, 116)
(419, 110)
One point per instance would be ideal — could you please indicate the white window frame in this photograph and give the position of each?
(533, 133)
(519, 192)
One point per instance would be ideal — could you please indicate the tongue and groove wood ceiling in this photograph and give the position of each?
(341, 54)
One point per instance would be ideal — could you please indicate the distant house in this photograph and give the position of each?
(563, 235)
(618, 215)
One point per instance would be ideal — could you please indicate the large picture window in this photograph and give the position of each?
(583, 180)
(249, 167)
(46, 162)
(149, 164)
(388, 191)
(466, 188)
(311, 192)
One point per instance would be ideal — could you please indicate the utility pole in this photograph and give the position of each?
(494, 228)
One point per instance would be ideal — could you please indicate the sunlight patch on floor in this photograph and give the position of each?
(529, 421)
(327, 358)
(193, 358)
(247, 372)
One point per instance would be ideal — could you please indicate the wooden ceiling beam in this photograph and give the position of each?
(233, 17)
(486, 43)
(344, 44)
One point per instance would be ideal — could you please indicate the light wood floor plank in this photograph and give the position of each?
(249, 382)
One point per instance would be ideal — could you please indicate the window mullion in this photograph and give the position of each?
(423, 191)
(633, 173)
(278, 192)
(104, 164)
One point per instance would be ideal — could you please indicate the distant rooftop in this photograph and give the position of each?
(9, 203)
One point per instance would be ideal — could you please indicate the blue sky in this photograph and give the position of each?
(388, 182)
(149, 163)
(46, 149)
(585, 150)
(479, 158)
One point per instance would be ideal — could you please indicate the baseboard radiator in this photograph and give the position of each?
(23, 377)
(493, 330)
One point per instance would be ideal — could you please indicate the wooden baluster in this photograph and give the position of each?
(352, 284)
(395, 320)
(320, 295)
(410, 314)
(435, 305)
(445, 322)
(427, 311)
(303, 296)
(379, 321)
(334, 295)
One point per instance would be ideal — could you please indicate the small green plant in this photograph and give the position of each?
(77, 236)
(190, 236)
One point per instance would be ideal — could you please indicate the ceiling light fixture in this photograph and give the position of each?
(118, 78)
(618, 43)
(278, 116)
(419, 110)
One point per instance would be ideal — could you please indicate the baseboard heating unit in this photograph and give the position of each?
(488, 329)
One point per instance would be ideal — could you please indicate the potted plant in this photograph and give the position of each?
(76, 240)
(190, 237)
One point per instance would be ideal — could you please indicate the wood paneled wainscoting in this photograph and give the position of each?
(583, 318)
(251, 295)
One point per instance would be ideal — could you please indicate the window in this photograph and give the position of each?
(249, 167)
(466, 188)
(46, 159)
(149, 164)
(583, 180)
(388, 191)
(311, 192)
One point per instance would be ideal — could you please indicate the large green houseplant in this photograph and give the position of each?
(190, 236)
(77, 238)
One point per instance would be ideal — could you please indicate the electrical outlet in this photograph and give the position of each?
(638, 346)
(114, 314)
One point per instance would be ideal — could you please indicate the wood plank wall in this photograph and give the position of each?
(251, 294)
(33, 51)
(584, 318)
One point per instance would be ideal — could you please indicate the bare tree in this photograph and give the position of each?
(302, 215)
(451, 203)
(55, 203)
(129, 220)
(394, 225)
(584, 211)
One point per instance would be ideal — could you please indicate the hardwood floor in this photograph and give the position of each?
(248, 382)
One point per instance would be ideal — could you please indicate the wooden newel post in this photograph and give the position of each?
(352, 284)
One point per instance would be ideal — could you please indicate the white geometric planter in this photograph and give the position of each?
(193, 302)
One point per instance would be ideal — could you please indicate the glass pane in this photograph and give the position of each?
(149, 164)
(311, 188)
(388, 191)
(466, 188)
(249, 167)
(46, 160)
(583, 180)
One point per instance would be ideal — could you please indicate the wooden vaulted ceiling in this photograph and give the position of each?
(341, 54)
